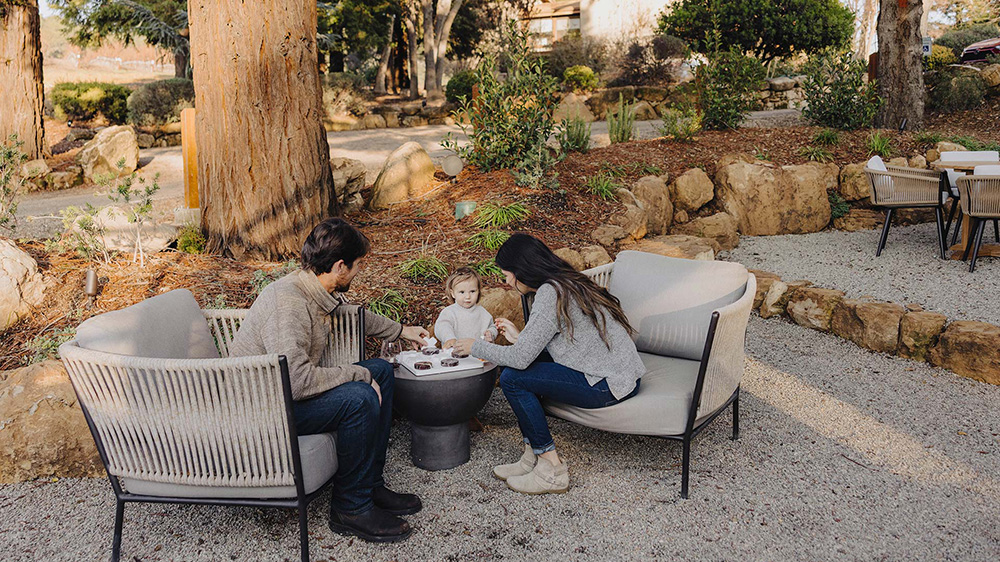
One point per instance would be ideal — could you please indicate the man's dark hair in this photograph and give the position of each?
(331, 241)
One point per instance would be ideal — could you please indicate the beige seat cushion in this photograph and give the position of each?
(167, 326)
(659, 408)
(319, 464)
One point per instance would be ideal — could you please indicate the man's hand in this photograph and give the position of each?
(378, 391)
(508, 329)
(415, 335)
(463, 346)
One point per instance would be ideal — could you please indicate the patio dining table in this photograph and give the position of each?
(967, 166)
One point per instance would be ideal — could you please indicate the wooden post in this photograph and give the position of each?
(189, 151)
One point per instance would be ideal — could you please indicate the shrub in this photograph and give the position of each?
(574, 50)
(602, 185)
(82, 234)
(878, 143)
(941, 57)
(838, 206)
(579, 78)
(159, 103)
(681, 124)
(649, 62)
(487, 269)
(391, 305)
(46, 346)
(510, 117)
(955, 89)
(574, 135)
(460, 85)
(837, 93)
(535, 170)
(262, 278)
(86, 100)
(827, 137)
(959, 38)
(621, 124)
(424, 268)
(495, 214)
(928, 138)
(816, 153)
(488, 239)
(191, 240)
(973, 143)
(135, 202)
(11, 183)
(727, 85)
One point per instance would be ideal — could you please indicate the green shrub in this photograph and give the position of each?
(837, 93)
(46, 346)
(191, 240)
(86, 100)
(681, 124)
(494, 214)
(838, 206)
(487, 269)
(580, 78)
(928, 138)
(535, 170)
(959, 38)
(424, 268)
(460, 85)
(511, 116)
(574, 50)
(727, 85)
(488, 239)
(827, 137)
(955, 89)
(262, 278)
(11, 183)
(816, 153)
(621, 123)
(878, 143)
(973, 143)
(161, 102)
(574, 135)
(603, 185)
(391, 305)
(941, 57)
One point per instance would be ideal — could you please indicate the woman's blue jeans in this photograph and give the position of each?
(525, 389)
(362, 425)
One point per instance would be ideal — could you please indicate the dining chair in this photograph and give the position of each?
(980, 199)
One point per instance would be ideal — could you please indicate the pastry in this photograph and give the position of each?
(459, 355)
(431, 351)
(422, 365)
(449, 362)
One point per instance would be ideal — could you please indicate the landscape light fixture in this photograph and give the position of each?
(453, 166)
(90, 287)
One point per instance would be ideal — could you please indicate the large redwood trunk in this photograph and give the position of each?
(21, 78)
(263, 159)
(900, 73)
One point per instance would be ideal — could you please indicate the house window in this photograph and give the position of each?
(545, 26)
(562, 24)
(574, 23)
(535, 26)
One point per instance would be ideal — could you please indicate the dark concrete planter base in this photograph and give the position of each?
(441, 447)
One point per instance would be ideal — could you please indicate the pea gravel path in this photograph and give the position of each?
(845, 455)
(908, 271)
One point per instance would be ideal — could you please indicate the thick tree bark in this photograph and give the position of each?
(383, 65)
(411, 47)
(900, 73)
(430, 49)
(180, 64)
(22, 101)
(263, 159)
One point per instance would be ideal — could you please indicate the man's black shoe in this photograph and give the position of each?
(374, 525)
(395, 504)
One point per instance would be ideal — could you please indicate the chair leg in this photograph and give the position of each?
(972, 239)
(685, 467)
(979, 241)
(304, 530)
(885, 232)
(951, 216)
(939, 218)
(116, 545)
(996, 230)
(736, 416)
(958, 227)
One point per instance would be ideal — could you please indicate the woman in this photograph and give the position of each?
(593, 364)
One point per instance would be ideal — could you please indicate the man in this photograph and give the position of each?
(291, 317)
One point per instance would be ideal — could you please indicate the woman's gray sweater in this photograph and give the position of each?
(585, 352)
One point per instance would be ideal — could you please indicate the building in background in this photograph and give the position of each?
(600, 19)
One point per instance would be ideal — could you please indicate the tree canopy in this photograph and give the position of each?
(765, 28)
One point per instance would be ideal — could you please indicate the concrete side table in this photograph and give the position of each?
(439, 408)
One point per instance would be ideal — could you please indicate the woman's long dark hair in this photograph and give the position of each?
(534, 264)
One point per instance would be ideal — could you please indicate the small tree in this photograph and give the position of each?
(838, 94)
(726, 85)
(135, 201)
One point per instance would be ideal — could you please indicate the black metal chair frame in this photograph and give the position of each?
(976, 230)
(693, 427)
(942, 230)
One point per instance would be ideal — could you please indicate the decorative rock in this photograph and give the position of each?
(971, 349)
(571, 257)
(503, 303)
(572, 106)
(80, 134)
(145, 140)
(440, 121)
(34, 169)
(653, 193)
(373, 121)
(608, 234)
(991, 75)
(872, 325)
(918, 332)
(171, 128)
(776, 300)
(854, 184)
(44, 432)
(21, 285)
(680, 217)
(765, 199)
(677, 246)
(720, 227)
(945, 146)
(733, 158)
(813, 307)
(71, 176)
(100, 156)
(412, 108)
(594, 256)
(604, 100)
(898, 161)
(391, 117)
(691, 190)
(764, 281)
(917, 161)
(644, 112)
(780, 84)
(407, 173)
(652, 94)
(859, 219)
(414, 121)
(342, 122)
(633, 221)
(932, 155)
(348, 177)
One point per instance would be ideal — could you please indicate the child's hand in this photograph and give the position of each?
(449, 343)
(488, 336)
(463, 346)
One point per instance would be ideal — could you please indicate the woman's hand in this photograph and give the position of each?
(463, 346)
(415, 335)
(508, 329)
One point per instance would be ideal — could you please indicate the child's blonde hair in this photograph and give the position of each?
(462, 274)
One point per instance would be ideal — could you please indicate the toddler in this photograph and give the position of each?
(465, 318)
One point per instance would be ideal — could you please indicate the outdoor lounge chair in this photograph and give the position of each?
(895, 187)
(176, 420)
(691, 317)
(980, 198)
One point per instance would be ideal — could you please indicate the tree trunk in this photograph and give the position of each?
(411, 47)
(180, 64)
(263, 159)
(21, 76)
(430, 49)
(383, 65)
(900, 73)
(446, 17)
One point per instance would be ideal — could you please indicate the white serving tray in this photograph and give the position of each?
(408, 358)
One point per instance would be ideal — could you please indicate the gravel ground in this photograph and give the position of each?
(908, 271)
(844, 455)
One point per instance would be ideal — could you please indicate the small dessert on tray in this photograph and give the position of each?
(423, 365)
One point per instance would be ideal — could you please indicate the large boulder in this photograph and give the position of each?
(765, 199)
(720, 227)
(603, 101)
(677, 246)
(503, 303)
(775, 302)
(691, 190)
(594, 256)
(100, 156)
(919, 332)
(406, 174)
(373, 121)
(991, 75)
(859, 219)
(813, 307)
(572, 106)
(348, 177)
(21, 285)
(652, 192)
(764, 281)
(948, 146)
(971, 349)
(34, 169)
(633, 221)
(854, 184)
(43, 432)
(871, 325)
(572, 257)
(643, 111)
(608, 234)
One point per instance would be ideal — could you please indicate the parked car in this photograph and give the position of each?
(977, 52)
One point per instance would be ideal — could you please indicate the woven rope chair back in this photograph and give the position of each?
(726, 362)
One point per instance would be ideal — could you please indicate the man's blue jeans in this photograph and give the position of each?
(525, 389)
(362, 425)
